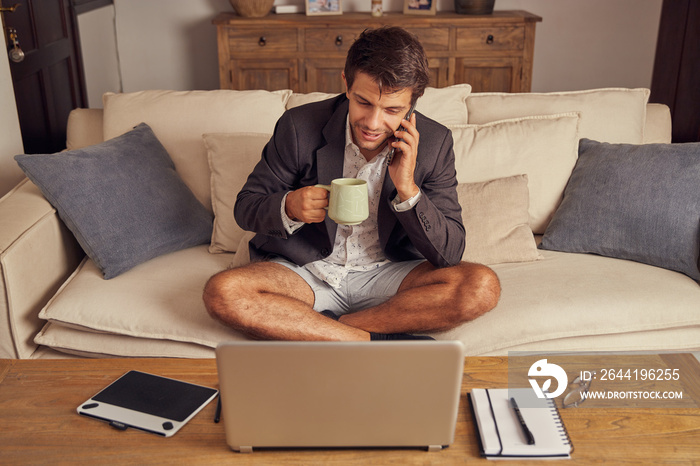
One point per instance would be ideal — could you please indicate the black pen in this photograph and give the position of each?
(217, 415)
(528, 435)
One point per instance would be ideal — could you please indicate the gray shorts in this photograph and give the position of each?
(359, 290)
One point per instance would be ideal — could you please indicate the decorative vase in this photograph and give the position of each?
(377, 9)
(474, 7)
(252, 8)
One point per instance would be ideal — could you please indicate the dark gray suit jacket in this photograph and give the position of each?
(307, 148)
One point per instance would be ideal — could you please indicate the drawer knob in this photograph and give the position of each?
(339, 41)
(262, 42)
(489, 39)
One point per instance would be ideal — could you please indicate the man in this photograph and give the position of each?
(397, 273)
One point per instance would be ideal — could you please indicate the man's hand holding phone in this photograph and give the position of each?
(401, 169)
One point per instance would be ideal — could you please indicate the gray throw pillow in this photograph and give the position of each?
(635, 202)
(122, 199)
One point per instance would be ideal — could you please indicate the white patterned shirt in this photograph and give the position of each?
(356, 247)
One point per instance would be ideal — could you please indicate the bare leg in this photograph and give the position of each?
(431, 299)
(268, 301)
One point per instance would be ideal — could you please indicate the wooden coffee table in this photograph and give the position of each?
(38, 422)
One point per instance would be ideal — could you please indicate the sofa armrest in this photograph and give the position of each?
(658, 124)
(84, 128)
(37, 254)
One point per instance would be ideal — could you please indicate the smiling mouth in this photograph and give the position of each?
(372, 136)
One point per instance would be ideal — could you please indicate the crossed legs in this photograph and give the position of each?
(266, 300)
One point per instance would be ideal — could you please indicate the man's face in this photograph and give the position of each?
(374, 116)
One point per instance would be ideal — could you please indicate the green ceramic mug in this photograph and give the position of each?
(347, 203)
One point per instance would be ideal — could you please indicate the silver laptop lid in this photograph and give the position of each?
(332, 394)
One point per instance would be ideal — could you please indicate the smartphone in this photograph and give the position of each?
(390, 156)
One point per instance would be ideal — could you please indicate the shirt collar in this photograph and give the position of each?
(348, 135)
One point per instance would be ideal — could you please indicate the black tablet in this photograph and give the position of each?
(148, 402)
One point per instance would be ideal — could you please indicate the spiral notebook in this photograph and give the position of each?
(501, 434)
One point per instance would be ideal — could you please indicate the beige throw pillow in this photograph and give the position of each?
(242, 256)
(496, 219)
(495, 216)
(607, 115)
(179, 118)
(446, 105)
(232, 157)
(544, 148)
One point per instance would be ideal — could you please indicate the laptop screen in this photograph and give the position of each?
(332, 394)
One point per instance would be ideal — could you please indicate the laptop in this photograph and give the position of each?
(340, 394)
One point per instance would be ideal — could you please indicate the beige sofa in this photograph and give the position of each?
(515, 153)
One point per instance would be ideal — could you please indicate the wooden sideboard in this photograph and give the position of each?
(307, 53)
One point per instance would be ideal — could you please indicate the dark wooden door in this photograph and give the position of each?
(49, 81)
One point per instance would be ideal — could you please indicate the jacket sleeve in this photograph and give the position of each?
(434, 226)
(258, 204)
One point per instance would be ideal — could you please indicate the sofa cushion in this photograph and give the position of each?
(446, 105)
(657, 129)
(179, 118)
(158, 300)
(84, 128)
(582, 302)
(298, 99)
(91, 344)
(542, 147)
(610, 115)
(232, 157)
(156, 310)
(636, 202)
(673, 339)
(122, 199)
(495, 216)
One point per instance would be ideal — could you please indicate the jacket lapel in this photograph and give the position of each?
(385, 213)
(329, 158)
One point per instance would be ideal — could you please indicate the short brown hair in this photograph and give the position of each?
(393, 57)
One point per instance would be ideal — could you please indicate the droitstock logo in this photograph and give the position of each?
(542, 368)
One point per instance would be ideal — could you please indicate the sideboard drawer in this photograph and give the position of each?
(330, 39)
(489, 39)
(340, 40)
(432, 39)
(263, 40)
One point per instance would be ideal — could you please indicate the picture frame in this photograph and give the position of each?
(420, 7)
(324, 7)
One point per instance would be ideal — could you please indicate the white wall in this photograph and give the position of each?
(584, 44)
(99, 47)
(10, 136)
(168, 44)
(579, 44)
